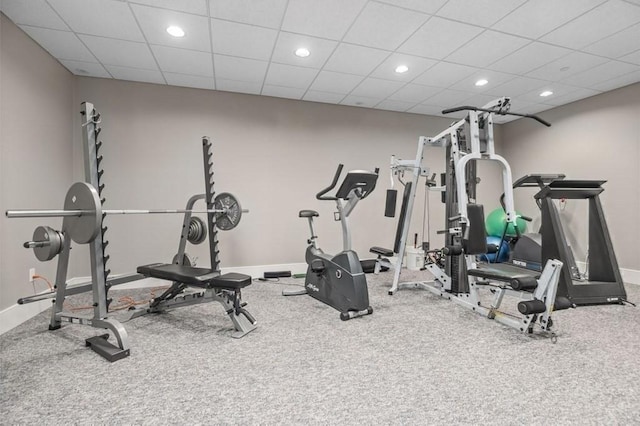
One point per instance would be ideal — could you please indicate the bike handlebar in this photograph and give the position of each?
(320, 195)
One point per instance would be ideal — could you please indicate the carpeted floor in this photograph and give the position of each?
(417, 360)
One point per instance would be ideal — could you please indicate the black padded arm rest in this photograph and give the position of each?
(381, 251)
(516, 281)
(231, 280)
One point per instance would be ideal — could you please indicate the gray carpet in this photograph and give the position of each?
(417, 360)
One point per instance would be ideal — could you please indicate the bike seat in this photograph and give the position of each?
(308, 213)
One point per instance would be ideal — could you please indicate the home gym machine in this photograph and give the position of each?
(458, 275)
(83, 218)
(339, 280)
(601, 283)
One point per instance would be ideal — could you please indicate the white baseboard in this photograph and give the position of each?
(15, 315)
(629, 276)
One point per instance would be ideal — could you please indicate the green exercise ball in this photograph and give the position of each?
(497, 220)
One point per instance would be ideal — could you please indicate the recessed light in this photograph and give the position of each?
(402, 69)
(481, 82)
(175, 31)
(546, 93)
(302, 52)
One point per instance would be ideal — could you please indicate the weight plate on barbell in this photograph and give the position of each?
(84, 228)
(231, 212)
(51, 250)
(197, 230)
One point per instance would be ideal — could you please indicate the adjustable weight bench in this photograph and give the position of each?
(225, 289)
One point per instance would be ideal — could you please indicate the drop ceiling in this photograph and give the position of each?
(573, 48)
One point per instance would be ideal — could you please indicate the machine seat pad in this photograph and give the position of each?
(517, 279)
(198, 277)
(381, 251)
(308, 213)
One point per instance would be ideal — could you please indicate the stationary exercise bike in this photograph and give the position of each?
(339, 280)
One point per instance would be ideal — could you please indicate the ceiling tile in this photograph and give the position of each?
(478, 12)
(532, 108)
(239, 69)
(438, 38)
(558, 90)
(634, 57)
(325, 97)
(124, 53)
(384, 26)
(376, 88)
(537, 17)
(427, 109)
(86, 69)
(61, 44)
(197, 7)
(181, 61)
(572, 96)
(320, 49)
(530, 57)
(448, 98)
(335, 82)
(601, 74)
(154, 23)
(109, 18)
(614, 83)
(568, 65)
(487, 48)
(390, 105)
(414, 93)
(328, 18)
(427, 6)
(360, 101)
(479, 100)
(494, 79)
(230, 38)
(135, 74)
(444, 74)
(290, 76)
(617, 45)
(264, 13)
(238, 86)
(516, 87)
(35, 13)
(351, 59)
(604, 20)
(189, 81)
(282, 92)
(415, 64)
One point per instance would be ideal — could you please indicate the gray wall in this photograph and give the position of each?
(273, 154)
(596, 138)
(36, 95)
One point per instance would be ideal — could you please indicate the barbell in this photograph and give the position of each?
(83, 213)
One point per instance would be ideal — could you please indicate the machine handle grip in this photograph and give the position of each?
(320, 195)
(472, 108)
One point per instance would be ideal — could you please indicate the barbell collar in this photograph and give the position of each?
(36, 244)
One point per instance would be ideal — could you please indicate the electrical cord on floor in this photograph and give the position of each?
(40, 277)
(267, 279)
(625, 301)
